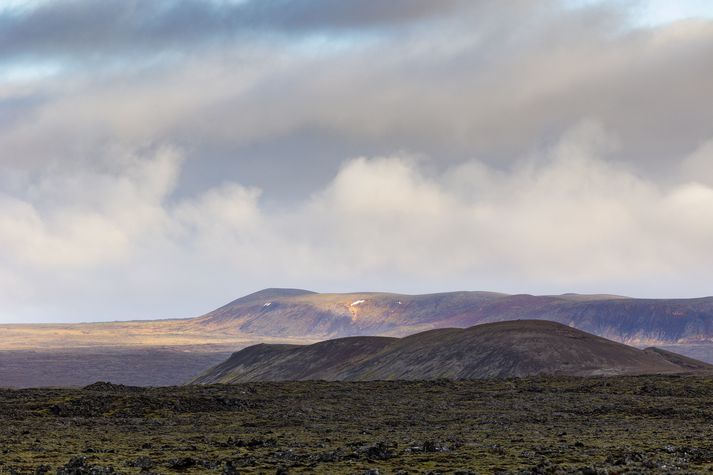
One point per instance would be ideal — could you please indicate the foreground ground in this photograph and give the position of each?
(602, 425)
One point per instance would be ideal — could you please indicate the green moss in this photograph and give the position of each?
(622, 424)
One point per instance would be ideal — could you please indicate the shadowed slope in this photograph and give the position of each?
(296, 362)
(680, 360)
(507, 349)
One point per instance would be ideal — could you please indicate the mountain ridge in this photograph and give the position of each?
(641, 322)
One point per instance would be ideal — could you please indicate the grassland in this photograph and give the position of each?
(138, 334)
(648, 424)
(159, 352)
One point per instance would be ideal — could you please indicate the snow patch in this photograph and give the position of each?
(357, 302)
(267, 304)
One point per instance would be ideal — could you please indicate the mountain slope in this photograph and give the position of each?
(506, 349)
(296, 362)
(309, 315)
(294, 316)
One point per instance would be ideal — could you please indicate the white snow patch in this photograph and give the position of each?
(267, 304)
(357, 302)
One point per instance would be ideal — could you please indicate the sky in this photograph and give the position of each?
(159, 159)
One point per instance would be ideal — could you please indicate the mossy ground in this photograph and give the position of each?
(540, 425)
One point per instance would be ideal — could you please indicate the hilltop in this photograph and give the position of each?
(497, 350)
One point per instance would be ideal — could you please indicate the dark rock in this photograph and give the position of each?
(80, 466)
(229, 469)
(430, 446)
(144, 463)
(379, 451)
(104, 386)
(183, 463)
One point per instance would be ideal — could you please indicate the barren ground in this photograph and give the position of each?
(596, 425)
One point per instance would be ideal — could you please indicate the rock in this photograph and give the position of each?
(430, 446)
(104, 386)
(80, 466)
(379, 451)
(229, 468)
(183, 463)
(144, 463)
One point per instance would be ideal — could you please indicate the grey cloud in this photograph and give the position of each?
(90, 29)
(476, 86)
(13, 108)
(484, 169)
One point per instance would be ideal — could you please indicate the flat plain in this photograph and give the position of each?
(140, 353)
(644, 424)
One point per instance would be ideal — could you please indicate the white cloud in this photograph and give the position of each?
(83, 219)
(562, 219)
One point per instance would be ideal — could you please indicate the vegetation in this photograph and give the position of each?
(537, 425)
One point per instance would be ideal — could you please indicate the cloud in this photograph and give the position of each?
(81, 220)
(91, 29)
(698, 167)
(473, 87)
(564, 218)
(513, 146)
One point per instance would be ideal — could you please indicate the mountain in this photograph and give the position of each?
(79, 354)
(299, 313)
(496, 350)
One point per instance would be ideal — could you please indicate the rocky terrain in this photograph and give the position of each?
(495, 350)
(601, 425)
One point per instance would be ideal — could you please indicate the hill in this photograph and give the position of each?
(78, 354)
(497, 350)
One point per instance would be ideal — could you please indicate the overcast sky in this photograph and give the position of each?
(158, 159)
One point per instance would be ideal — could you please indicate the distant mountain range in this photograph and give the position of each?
(79, 354)
(293, 313)
(501, 350)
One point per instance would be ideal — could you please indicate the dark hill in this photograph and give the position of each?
(499, 350)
